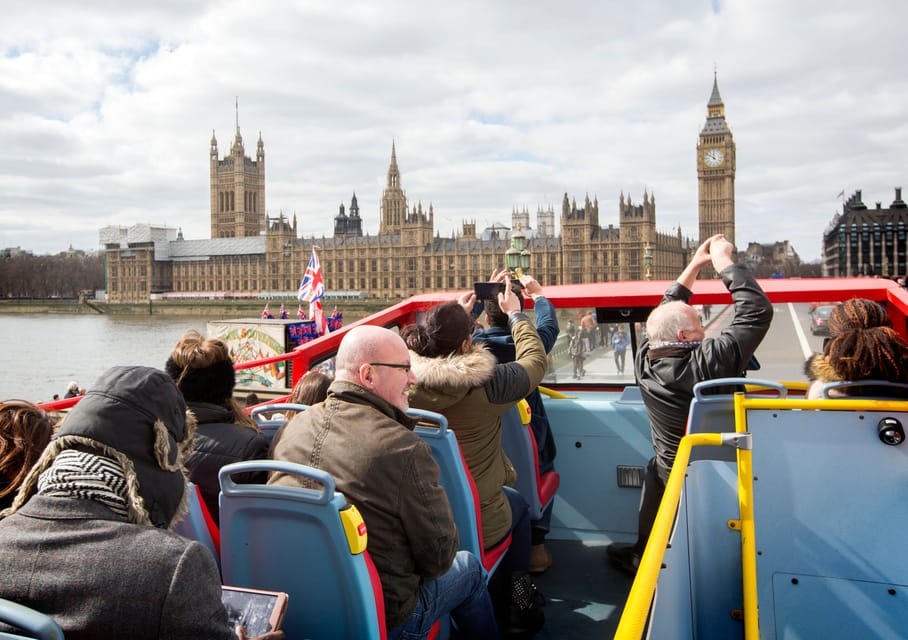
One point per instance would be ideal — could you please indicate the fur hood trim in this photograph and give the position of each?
(461, 371)
(818, 367)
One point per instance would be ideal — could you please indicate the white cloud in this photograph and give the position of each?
(106, 114)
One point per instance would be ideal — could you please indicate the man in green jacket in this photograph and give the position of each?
(362, 436)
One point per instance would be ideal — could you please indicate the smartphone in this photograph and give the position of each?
(258, 611)
(488, 290)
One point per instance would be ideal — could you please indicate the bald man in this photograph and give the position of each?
(362, 436)
(675, 356)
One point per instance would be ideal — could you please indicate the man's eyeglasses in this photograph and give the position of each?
(403, 367)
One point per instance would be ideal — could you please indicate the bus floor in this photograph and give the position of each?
(585, 594)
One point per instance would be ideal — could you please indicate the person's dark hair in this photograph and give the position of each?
(497, 317)
(312, 388)
(25, 431)
(863, 345)
(442, 332)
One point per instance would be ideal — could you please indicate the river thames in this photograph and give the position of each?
(41, 354)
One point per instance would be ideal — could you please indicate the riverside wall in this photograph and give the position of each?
(211, 309)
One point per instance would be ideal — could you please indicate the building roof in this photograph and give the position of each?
(201, 249)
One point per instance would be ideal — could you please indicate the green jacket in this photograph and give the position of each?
(472, 391)
(388, 472)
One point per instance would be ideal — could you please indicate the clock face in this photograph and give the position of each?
(714, 157)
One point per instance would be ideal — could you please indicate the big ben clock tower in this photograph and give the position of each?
(716, 171)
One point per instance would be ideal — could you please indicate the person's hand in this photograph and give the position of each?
(466, 301)
(702, 256)
(721, 250)
(508, 302)
(271, 635)
(500, 275)
(531, 286)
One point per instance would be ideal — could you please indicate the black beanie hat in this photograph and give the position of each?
(213, 384)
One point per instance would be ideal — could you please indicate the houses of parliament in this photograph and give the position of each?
(252, 254)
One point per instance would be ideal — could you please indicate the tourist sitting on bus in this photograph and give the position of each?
(499, 341)
(203, 371)
(462, 381)
(24, 432)
(311, 389)
(862, 345)
(86, 541)
(363, 437)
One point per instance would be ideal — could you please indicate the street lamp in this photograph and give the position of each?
(517, 257)
(647, 262)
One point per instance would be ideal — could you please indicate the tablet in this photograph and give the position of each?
(258, 611)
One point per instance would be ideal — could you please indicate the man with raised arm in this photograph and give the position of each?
(675, 356)
(362, 436)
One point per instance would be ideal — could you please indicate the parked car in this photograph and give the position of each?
(819, 319)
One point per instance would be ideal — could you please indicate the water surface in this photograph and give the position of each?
(41, 354)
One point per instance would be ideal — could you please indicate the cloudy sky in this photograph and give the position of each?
(106, 114)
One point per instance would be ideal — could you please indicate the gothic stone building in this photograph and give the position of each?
(867, 242)
(251, 254)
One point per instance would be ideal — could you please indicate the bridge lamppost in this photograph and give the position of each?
(517, 257)
(647, 262)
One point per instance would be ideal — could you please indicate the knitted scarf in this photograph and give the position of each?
(86, 476)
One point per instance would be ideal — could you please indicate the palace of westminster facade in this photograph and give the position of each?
(252, 254)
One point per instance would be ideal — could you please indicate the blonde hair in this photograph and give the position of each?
(194, 354)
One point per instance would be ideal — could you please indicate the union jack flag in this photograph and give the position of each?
(312, 287)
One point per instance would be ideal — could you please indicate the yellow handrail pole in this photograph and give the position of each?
(633, 618)
(748, 539)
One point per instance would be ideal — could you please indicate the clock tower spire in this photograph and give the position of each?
(716, 171)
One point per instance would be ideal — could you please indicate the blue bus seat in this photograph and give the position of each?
(875, 389)
(519, 444)
(33, 624)
(829, 512)
(700, 585)
(292, 539)
(267, 424)
(198, 524)
(715, 412)
(458, 484)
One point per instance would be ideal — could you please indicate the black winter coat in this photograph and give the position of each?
(219, 442)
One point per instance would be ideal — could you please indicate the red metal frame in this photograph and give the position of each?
(644, 293)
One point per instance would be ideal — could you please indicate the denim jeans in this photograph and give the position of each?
(517, 559)
(461, 592)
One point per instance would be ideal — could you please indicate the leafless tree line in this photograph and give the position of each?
(61, 276)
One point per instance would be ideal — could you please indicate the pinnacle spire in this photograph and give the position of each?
(715, 98)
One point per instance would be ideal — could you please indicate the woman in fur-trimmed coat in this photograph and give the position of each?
(464, 382)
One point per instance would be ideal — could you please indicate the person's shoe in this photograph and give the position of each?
(524, 621)
(623, 556)
(540, 559)
(525, 614)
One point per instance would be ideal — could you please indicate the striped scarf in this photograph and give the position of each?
(86, 476)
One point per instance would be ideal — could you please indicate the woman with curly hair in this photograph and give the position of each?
(25, 431)
(862, 345)
(203, 371)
